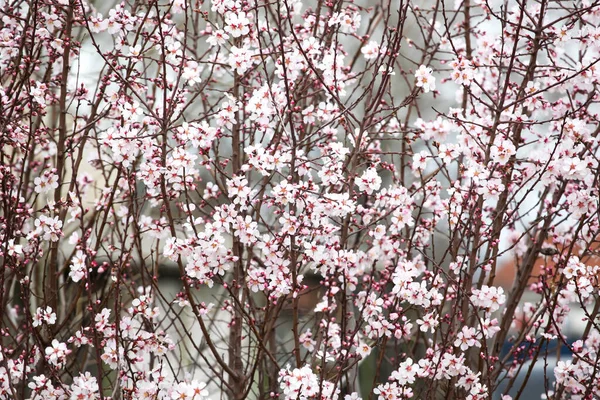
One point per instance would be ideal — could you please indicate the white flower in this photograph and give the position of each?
(49, 228)
(217, 38)
(466, 338)
(370, 50)
(182, 391)
(363, 350)
(425, 79)
(135, 51)
(44, 315)
(112, 354)
(237, 24)
(353, 396)
(406, 373)
(78, 268)
(57, 353)
(13, 248)
(429, 322)
(85, 386)
(369, 182)
(502, 151)
(45, 183)
(490, 297)
(462, 73)
(240, 59)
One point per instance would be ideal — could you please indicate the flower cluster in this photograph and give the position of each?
(230, 199)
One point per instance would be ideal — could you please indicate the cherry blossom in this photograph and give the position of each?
(425, 79)
(369, 181)
(44, 316)
(56, 353)
(237, 24)
(234, 200)
(46, 183)
(370, 50)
